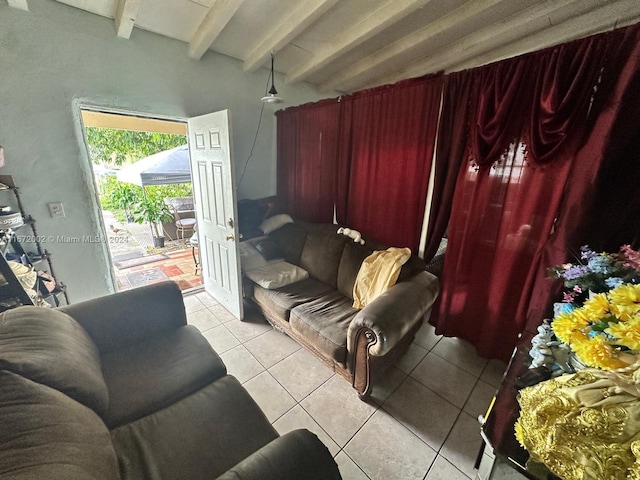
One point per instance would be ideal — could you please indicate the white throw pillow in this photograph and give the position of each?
(277, 275)
(275, 222)
(250, 257)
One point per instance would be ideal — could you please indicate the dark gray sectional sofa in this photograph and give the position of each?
(120, 387)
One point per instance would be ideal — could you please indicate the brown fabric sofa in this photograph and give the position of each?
(318, 312)
(120, 387)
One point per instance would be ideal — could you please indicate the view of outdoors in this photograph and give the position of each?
(141, 217)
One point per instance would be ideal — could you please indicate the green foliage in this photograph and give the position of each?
(115, 195)
(153, 210)
(113, 147)
(167, 191)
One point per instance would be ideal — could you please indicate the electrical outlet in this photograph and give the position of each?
(56, 209)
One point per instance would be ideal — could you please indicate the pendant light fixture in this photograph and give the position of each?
(273, 93)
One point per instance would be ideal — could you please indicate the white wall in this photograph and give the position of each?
(54, 57)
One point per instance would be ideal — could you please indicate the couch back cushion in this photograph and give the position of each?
(350, 262)
(291, 239)
(49, 347)
(321, 255)
(45, 434)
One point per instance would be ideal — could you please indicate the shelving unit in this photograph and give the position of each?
(30, 254)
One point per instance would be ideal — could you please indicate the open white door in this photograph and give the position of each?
(213, 179)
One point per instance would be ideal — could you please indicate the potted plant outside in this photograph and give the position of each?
(124, 196)
(154, 211)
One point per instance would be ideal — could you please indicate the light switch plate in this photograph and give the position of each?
(56, 209)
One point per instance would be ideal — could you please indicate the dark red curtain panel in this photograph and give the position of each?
(507, 200)
(601, 207)
(565, 94)
(307, 159)
(391, 136)
(501, 215)
(287, 156)
(451, 152)
(499, 99)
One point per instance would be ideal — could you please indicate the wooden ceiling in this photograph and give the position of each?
(347, 45)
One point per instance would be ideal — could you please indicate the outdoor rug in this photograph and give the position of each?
(123, 263)
(146, 277)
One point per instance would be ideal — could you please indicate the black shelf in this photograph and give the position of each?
(12, 293)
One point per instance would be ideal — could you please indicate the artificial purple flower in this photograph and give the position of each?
(586, 253)
(576, 271)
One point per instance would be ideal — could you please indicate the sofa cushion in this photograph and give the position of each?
(272, 224)
(352, 258)
(321, 256)
(268, 249)
(412, 267)
(277, 275)
(280, 302)
(46, 434)
(49, 347)
(200, 437)
(148, 376)
(290, 238)
(324, 323)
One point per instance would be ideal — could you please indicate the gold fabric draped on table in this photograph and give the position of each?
(584, 426)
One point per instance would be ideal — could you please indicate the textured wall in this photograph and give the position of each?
(52, 59)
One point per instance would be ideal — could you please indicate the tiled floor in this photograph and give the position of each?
(422, 420)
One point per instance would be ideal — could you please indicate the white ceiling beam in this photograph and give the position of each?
(125, 17)
(620, 14)
(217, 17)
(507, 33)
(418, 40)
(378, 21)
(300, 18)
(19, 4)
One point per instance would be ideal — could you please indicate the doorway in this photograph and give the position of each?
(142, 194)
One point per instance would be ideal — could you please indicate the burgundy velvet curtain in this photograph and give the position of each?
(601, 205)
(527, 122)
(307, 159)
(388, 136)
(451, 152)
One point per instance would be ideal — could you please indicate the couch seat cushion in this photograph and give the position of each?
(46, 434)
(49, 347)
(200, 437)
(324, 323)
(146, 377)
(280, 302)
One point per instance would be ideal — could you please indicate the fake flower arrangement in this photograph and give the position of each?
(604, 330)
(597, 272)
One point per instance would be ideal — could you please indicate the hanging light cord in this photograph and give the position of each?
(255, 138)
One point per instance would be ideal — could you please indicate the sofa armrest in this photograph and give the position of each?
(125, 318)
(294, 456)
(389, 317)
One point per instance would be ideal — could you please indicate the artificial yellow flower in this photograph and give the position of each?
(624, 313)
(568, 326)
(626, 294)
(627, 333)
(596, 352)
(596, 307)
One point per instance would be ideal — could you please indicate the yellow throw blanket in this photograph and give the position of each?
(378, 272)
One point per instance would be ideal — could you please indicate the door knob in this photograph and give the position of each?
(229, 237)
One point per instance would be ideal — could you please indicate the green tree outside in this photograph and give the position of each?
(112, 147)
